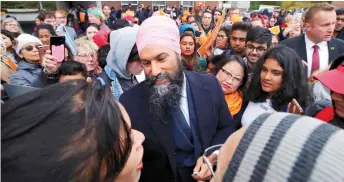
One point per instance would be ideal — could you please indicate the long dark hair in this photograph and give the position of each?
(66, 132)
(294, 84)
(224, 60)
(194, 58)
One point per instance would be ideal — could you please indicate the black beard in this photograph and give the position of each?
(163, 96)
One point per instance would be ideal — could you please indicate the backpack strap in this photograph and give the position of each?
(326, 114)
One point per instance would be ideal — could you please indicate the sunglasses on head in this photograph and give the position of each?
(30, 47)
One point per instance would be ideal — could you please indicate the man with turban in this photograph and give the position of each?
(181, 113)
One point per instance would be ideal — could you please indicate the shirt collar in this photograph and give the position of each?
(310, 44)
(183, 94)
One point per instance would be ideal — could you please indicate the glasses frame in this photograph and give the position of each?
(255, 48)
(231, 76)
(31, 47)
(221, 38)
(206, 160)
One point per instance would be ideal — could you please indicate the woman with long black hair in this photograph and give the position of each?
(278, 78)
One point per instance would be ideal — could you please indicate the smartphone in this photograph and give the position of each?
(294, 107)
(42, 49)
(57, 47)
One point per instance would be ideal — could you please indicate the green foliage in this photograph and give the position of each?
(254, 5)
(289, 5)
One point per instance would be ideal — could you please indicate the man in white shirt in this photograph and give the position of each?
(316, 46)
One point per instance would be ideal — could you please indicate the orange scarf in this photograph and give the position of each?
(234, 102)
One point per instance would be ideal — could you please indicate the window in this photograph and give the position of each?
(134, 4)
(159, 4)
(187, 4)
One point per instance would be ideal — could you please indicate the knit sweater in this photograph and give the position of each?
(287, 147)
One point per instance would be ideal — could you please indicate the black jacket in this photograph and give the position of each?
(110, 21)
(213, 120)
(341, 34)
(335, 46)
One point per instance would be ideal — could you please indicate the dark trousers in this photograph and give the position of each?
(184, 174)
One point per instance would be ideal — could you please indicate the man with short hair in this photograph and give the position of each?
(234, 12)
(339, 28)
(141, 13)
(48, 17)
(181, 113)
(237, 39)
(258, 40)
(316, 46)
(206, 22)
(217, 15)
(61, 19)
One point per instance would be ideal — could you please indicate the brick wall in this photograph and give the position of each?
(212, 4)
(146, 3)
(116, 4)
(171, 3)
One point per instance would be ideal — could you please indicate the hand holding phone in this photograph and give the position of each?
(294, 107)
(49, 63)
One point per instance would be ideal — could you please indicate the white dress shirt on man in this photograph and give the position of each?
(323, 55)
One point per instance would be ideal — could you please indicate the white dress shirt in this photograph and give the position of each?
(184, 102)
(323, 55)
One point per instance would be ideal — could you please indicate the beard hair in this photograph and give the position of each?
(165, 96)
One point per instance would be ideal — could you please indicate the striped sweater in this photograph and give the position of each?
(284, 147)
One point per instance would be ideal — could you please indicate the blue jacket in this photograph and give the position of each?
(26, 74)
(214, 123)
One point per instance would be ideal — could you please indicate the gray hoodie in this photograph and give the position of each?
(121, 43)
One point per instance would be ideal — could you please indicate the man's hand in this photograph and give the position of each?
(201, 170)
(49, 63)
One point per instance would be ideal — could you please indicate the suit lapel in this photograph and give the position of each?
(202, 102)
(331, 51)
(162, 131)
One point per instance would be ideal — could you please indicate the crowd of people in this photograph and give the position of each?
(174, 95)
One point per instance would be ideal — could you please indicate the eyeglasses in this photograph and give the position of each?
(85, 56)
(259, 49)
(30, 47)
(235, 80)
(221, 37)
(208, 154)
(236, 39)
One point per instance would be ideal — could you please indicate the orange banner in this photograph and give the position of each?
(210, 40)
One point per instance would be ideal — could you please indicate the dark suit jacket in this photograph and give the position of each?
(341, 34)
(213, 119)
(335, 47)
